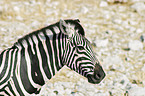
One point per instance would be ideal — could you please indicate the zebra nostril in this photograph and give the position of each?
(96, 76)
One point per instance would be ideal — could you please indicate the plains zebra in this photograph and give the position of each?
(36, 57)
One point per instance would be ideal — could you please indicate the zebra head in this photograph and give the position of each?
(78, 54)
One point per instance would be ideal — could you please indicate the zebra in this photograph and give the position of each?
(31, 61)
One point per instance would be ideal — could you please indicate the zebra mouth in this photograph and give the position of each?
(95, 79)
(97, 76)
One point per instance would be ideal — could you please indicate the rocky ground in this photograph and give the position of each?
(116, 29)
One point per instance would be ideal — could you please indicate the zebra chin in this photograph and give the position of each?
(94, 80)
(98, 75)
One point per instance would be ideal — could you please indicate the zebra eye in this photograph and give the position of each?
(81, 47)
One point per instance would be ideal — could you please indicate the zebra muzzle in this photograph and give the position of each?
(98, 75)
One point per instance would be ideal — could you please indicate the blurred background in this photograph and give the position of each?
(116, 29)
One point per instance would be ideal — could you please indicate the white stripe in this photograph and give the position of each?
(63, 46)
(17, 72)
(88, 73)
(51, 43)
(3, 85)
(31, 43)
(8, 90)
(46, 51)
(50, 35)
(48, 32)
(40, 59)
(61, 41)
(84, 64)
(3, 93)
(71, 56)
(13, 87)
(8, 66)
(13, 62)
(3, 61)
(58, 51)
(29, 65)
(68, 54)
(56, 29)
(75, 65)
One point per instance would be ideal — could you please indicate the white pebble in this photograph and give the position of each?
(133, 23)
(137, 91)
(85, 10)
(138, 6)
(19, 18)
(35, 23)
(132, 29)
(102, 43)
(113, 62)
(117, 21)
(117, 0)
(103, 4)
(16, 8)
(135, 45)
(3, 29)
(67, 91)
(139, 31)
(143, 68)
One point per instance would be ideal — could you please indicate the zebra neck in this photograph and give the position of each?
(44, 50)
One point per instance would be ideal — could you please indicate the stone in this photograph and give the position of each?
(102, 43)
(139, 31)
(137, 91)
(19, 18)
(117, 21)
(67, 91)
(135, 45)
(103, 4)
(133, 22)
(117, 1)
(139, 7)
(142, 38)
(113, 63)
(112, 22)
(143, 68)
(16, 8)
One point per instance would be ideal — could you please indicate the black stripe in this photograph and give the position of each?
(5, 66)
(6, 91)
(14, 75)
(44, 59)
(60, 37)
(24, 73)
(8, 76)
(10, 87)
(71, 56)
(50, 53)
(1, 57)
(35, 64)
(55, 49)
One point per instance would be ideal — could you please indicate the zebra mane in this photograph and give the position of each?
(37, 32)
(77, 25)
(74, 23)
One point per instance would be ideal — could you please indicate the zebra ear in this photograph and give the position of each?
(77, 20)
(63, 25)
(65, 28)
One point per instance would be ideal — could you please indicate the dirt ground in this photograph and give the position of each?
(116, 29)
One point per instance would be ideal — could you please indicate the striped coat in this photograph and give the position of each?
(35, 58)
